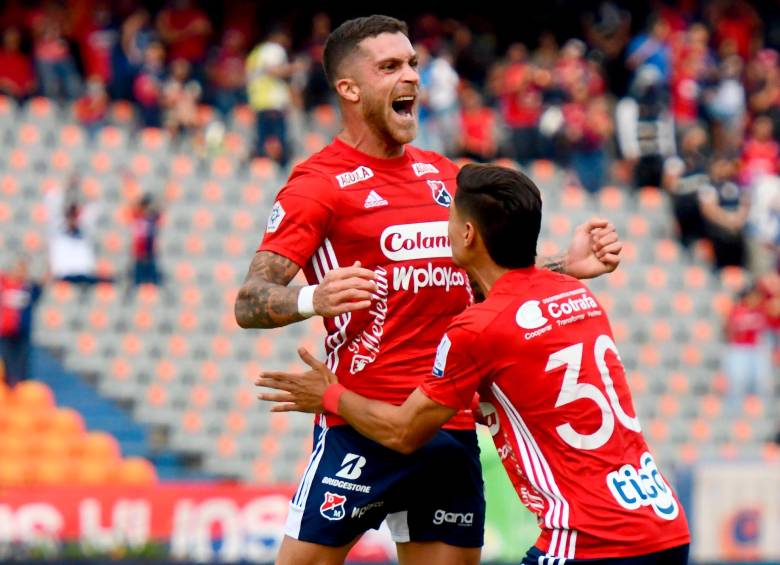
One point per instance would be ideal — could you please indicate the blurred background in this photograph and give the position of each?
(142, 145)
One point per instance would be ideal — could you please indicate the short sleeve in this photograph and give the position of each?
(708, 194)
(300, 218)
(455, 376)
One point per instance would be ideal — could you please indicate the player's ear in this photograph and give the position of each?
(348, 89)
(469, 234)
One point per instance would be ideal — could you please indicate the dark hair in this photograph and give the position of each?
(506, 207)
(345, 38)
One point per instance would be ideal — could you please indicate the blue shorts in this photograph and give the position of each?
(352, 484)
(672, 556)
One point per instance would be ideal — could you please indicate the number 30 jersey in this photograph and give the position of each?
(539, 350)
(341, 206)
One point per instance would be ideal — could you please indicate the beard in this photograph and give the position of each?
(376, 117)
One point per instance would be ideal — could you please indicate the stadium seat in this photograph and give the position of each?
(136, 471)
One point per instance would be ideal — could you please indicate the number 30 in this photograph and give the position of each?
(571, 390)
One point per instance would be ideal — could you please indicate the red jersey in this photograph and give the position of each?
(746, 325)
(540, 353)
(341, 206)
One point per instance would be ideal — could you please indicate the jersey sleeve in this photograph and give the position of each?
(300, 218)
(455, 376)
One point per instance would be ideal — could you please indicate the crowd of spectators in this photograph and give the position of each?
(686, 98)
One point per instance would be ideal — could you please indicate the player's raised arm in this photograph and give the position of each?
(594, 251)
(265, 300)
(402, 428)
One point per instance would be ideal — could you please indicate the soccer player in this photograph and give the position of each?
(540, 353)
(370, 198)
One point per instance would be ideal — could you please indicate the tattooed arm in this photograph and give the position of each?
(594, 251)
(265, 300)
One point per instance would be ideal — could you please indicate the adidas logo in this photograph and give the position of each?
(373, 200)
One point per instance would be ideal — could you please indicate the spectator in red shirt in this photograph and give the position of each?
(145, 225)
(747, 360)
(147, 87)
(18, 297)
(96, 35)
(479, 127)
(226, 72)
(587, 128)
(521, 103)
(91, 109)
(53, 61)
(185, 29)
(16, 71)
(761, 152)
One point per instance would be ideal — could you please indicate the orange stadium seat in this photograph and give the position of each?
(325, 116)
(99, 446)
(667, 251)
(711, 406)
(173, 192)
(54, 471)
(200, 396)
(18, 160)
(251, 194)
(314, 142)
(41, 108)
(110, 138)
(182, 165)
(209, 371)
(156, 395)
(222, 167)
(262, 169)
(71, 137)
(269, 446)
(611, 198)
(700, 430)
(573, 198)
(212, 192)
(682, 303)
(136, 471)
(152, 139)
(13, 471)
(9, 185)
(243, 116)
(650, 199)
(658, 430)
(261, 470)
(226, 445)
(734, 278)
(89, 471)
(236, 422)
(29, 135)
(32, 397)
(638, 228)
(177, 346)
(122, 113)
(192, 421)
(7, 106)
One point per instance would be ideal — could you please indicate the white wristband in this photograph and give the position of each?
(306, 301)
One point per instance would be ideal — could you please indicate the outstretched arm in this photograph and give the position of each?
(402, 428)
(265, 300)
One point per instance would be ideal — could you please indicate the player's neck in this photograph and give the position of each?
(366, 141)
(485, 273)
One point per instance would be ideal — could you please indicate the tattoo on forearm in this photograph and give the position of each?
(264, 300)
(555, 263)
